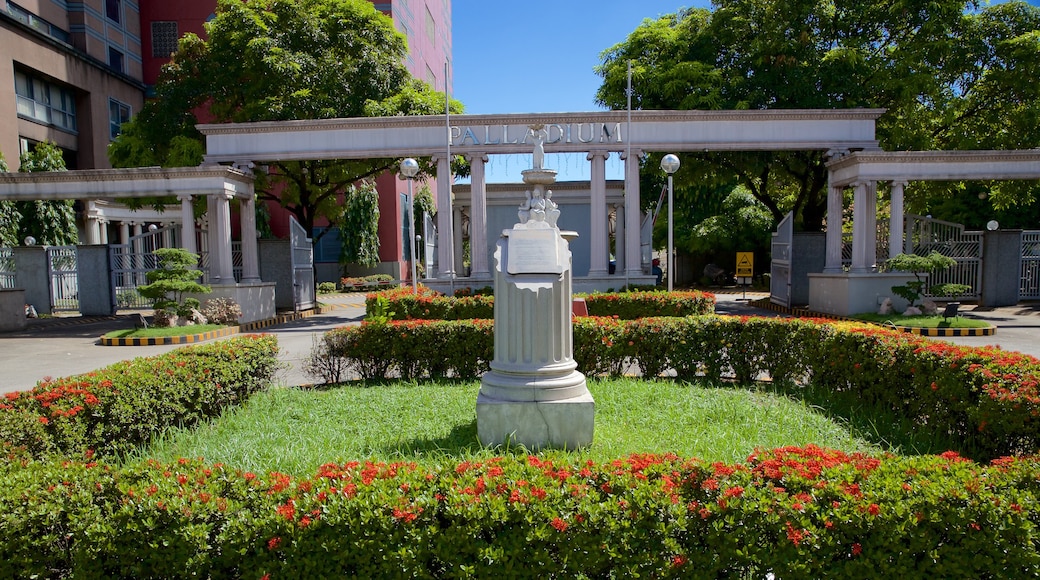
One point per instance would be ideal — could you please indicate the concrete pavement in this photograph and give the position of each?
(61, 347)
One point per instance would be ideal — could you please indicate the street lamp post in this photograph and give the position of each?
(670, 164)
(409, 169)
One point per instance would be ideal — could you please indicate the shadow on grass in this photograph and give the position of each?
(460, 441)
(878, 425)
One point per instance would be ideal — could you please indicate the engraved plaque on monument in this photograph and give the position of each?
(533, 252)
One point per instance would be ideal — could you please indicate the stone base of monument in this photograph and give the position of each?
(556, 413)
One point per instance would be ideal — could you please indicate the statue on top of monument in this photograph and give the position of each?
(539, 134)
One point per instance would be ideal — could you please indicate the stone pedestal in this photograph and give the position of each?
(533, 395)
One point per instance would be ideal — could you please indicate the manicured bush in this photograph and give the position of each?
(633, 305)
(428, 304)
(794, 512)
(326, 287)
(120, 407)
(221, 311)
(409, 349)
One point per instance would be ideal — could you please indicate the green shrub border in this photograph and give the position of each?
(987, 397)
(118, 408)
(795, 512)
(427, 304)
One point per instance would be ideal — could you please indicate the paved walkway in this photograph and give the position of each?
(59, 347)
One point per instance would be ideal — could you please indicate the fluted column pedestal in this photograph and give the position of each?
(534, 395)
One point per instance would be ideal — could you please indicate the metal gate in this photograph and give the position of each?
(302, 252)
(926, 235)
(64, 280)
(780, 267)
(6, 268)
(130, 262)
(1029, 288)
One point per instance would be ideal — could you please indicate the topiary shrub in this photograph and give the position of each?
(173, 279)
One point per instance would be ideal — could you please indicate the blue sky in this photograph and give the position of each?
(537, 56)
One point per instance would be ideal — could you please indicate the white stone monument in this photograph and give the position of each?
(533, 395)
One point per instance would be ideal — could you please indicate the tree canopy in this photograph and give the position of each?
(276, 61)
(50, 223)
(951, 74)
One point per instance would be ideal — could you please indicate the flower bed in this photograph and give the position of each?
(116, 409)
(987, 397)
(430, 305)
(795, 512)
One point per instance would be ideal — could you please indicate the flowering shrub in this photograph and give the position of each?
(633, 305)
(120, 407)
(431, 305)
(414, 348)
(364, 283)
(986, 397)
(221, 311)
(796, 512)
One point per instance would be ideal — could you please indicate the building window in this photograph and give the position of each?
(45, 102)
(115, 59)
(118, 113)
(28, 18)
(431, 77)
(327, 248)
(431, 26)
(113, 8)
(164, 39)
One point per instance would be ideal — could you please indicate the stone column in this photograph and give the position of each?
(478, 238)
(187, 224)
(633, 261)
(835, 219)
(220, 266)
(619, 241)
(598, 243)
(92, 224)
(250, 261)
(896, 220)
(864, 227)
(124, 233)
(138, 255)
(104, 232)
(445, 242)
(457, 235)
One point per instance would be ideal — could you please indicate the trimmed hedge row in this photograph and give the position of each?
(987, 396)
(428, 304)
(118, 408)
(795, 512)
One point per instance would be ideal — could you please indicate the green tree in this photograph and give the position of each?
(277, 61)
(50, 223)
(935, 67)
(359, 225)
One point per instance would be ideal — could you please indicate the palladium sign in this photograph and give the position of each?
(557, 133)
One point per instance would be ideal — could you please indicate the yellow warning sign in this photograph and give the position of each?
(745, 264)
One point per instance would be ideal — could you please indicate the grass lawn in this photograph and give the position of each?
(923, 321)
(155, 332)
(295, 430)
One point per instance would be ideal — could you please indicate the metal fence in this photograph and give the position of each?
(929, 235)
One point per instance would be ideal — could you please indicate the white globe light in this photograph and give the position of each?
(29, 241)
(409, 168)
(670, 164)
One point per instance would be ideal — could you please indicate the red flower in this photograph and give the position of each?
(559, 524)
(857, 549)
(273, 543)
(795, 535)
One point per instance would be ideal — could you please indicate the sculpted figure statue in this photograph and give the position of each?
(552, 213)
(540, 135)
(525, 208)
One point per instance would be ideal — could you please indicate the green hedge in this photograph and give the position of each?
(118, 408)
(795, 512)
(987, 397)
(430, 305)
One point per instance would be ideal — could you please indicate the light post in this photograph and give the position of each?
(670, 164)
(409, 169)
